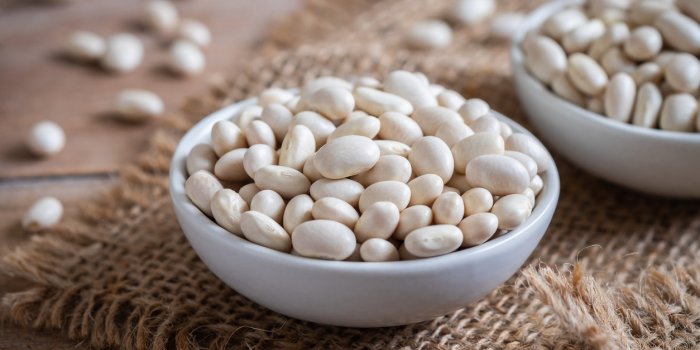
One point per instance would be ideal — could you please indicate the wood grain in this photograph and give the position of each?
(36, 83)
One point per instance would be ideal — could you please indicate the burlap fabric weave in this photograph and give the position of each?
(616, 269)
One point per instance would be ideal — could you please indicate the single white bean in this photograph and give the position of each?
(433, 240)
(200, 188)
(499, 174)
(263, 230)
(478, 228)
(346, 156)
(124, 53)
(399, 127)
(85, 46)
(258, 132)
(323, 239)
(275, 96)
(563, 22)
(536, 185)
(511, 210)
(258, 156)
(186, 58)
(645, 12)
(644, 43)
(297, 211)
(412, 218)
(648, 106)
(329, 208)
(431, 155)
(450, 99)
(581, 38)
(429, 35)
(476, 145)
(474, 108)
(269, 203)
(477, 200)
(245, 116)
(487, 123)
(407, 85)
(230, 166)
(297, 148)
(391, 167)
(679, 112)
(648, 72)
(390, 191)
(377, 250)
(226, 136)
(448, 208)
(679, 31)
(453, 132)
(379, 220)
(46, 139)
(505, 25)
(201, 157)
(366, 126)
(332, 102)
(586, 74)
(195, 32)
(322, 82)
(376, 102)
(344, 189)
(227, 206)
(683, 73)
(471, 12)
(278, 117)
(138, 105)
(619, 97)
(161, 16)
(43, 214)
(286, 181)
(425, 189)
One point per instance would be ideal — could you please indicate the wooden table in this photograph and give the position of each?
(36, 83)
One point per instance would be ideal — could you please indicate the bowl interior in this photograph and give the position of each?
(200, 133)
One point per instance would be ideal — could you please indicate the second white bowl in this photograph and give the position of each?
(653, 161)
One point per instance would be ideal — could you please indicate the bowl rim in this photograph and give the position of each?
(199, 133)
(536, 18)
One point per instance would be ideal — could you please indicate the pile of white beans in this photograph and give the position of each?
(634, 61)
(366, 170)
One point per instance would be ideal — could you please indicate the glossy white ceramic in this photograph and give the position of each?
(653, 161)
(354, 294)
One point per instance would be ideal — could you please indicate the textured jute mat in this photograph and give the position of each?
(616, 269)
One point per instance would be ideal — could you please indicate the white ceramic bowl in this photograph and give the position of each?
(653, 161)
(355, 294)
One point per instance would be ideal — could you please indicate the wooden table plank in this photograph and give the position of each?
(36, 84)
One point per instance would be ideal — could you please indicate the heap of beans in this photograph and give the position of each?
(366, 171)
(633, 61)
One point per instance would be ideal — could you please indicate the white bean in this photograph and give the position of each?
(161, 16)
(278, 117)
(563, 22)
(319, 126)
(195, 32)
(323, 239)
(476, 145)
(431, 118)
(505, 25)
(43, 214)
(679, 31)
(310, 170)
(263, 230)
(137, 105)
(201, 157)
(391, 167)
(430, 155)
(433, 240)
(562, 86)
(329, 208)
(379, 220)
(227, 207)
(477, 200)
(200, 188)
(644, 43)
(486, 123)
(226, 136)
(245, 116)
(473, 109)
(412, 218)
(297, 211)
(586, 74)
(258, 156)
(619, 97)
(525, 160)
(389, 191)
(648, 106)
(406, 84)
(186, 58)
(258, 132)
(297, 148)
(230, 166)
(376, 102)
(459, 182)
(528, 145)
(286, 181)
(346, 156)
(269, 203)
(536, 185)
(46, 139)
(124, 53)
(344, 189)
(398, 127)
(511, 210)
(614, 35)
(448, 208)
(425, 189)
(332, 102)
(478, 228)
(453, 132)
(471, 12)
(679, 112)
(683, 73)
(648, 72)
(429, 35)
(366, 126)
(450, 99)
(377, 250)
(389, 147)
(581, 38)
(499, 174)
(85, 46)
(274, 96)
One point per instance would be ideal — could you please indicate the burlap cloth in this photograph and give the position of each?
(616, 269)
